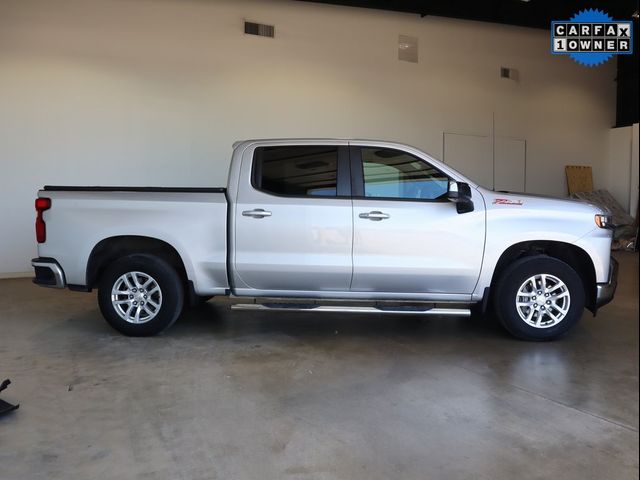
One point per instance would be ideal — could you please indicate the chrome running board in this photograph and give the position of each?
(396, 310)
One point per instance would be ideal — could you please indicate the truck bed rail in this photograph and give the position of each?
(59, 188)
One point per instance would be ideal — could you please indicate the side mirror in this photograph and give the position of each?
(460, 194)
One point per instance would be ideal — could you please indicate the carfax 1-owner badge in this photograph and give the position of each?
(591, 37)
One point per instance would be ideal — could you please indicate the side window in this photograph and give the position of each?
(296, 170)
(392, 173)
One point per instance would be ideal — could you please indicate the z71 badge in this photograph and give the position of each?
(506, 201)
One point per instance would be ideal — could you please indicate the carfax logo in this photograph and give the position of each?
(591, 37)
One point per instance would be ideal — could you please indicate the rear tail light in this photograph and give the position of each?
(42, 204)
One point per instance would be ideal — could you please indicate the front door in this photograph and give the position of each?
(293, 221)
(408, 237)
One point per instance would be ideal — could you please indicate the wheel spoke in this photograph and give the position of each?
(127, 280)
(555, 287)
(555, 318)
(530, 315)
(563, 311)
(539, 319)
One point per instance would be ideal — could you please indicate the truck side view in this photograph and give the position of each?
(327, 225)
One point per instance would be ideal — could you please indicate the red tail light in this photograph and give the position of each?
(42, 204)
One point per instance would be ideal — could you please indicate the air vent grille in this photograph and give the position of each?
(251, 28)
(408, 48)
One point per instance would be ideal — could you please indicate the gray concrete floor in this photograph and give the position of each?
(237, 395)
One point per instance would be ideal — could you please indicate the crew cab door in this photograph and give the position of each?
(293, 220)
(408, 237)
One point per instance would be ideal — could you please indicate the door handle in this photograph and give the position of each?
(256, 213)
(375, 216)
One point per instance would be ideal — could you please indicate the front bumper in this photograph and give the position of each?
(48, 273)
(605, 291)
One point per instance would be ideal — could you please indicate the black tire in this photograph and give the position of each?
(166, 278)
(513, 278)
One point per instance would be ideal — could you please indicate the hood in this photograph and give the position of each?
(502, 199)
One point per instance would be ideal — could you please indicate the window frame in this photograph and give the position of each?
(357, 177)
(343, 173)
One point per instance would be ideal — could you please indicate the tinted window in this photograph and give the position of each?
(296, 170)
(394, 174)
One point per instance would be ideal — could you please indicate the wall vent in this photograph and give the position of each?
(510, 73)
(251, 28)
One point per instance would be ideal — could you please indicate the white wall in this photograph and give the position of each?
(621, 167)
(154, 92)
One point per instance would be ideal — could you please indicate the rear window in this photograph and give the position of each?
(300, 171)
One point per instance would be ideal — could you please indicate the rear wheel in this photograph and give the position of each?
(539, 298)
(140, 295)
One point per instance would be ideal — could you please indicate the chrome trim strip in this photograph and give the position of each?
(606, 291)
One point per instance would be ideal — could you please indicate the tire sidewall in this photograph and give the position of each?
(510, 282)
(168, 281)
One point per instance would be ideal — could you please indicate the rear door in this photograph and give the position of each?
(293, 220)
(408, 237)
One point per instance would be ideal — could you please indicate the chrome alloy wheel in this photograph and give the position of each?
(136, 297)
(543, 300)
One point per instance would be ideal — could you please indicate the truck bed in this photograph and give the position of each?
(192, 220)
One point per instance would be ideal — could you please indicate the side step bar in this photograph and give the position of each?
(294, 307)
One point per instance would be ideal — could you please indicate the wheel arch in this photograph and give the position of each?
(574, 256)
(112, 248)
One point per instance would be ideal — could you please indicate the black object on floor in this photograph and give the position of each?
(6, 407)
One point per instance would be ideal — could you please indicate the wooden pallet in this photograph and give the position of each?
(579, 178)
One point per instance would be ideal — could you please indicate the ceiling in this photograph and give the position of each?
(532, 13)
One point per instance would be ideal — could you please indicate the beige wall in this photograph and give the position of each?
(154, 92)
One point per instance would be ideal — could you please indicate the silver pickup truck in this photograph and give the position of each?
(323, 225)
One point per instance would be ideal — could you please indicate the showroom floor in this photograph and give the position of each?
(238, 395)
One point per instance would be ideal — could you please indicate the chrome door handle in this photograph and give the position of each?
(375, 216)
(256, 213)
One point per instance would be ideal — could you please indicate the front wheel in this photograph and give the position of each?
(140, 295)
(539, 298)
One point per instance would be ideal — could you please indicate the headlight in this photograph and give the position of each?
(603, 221)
